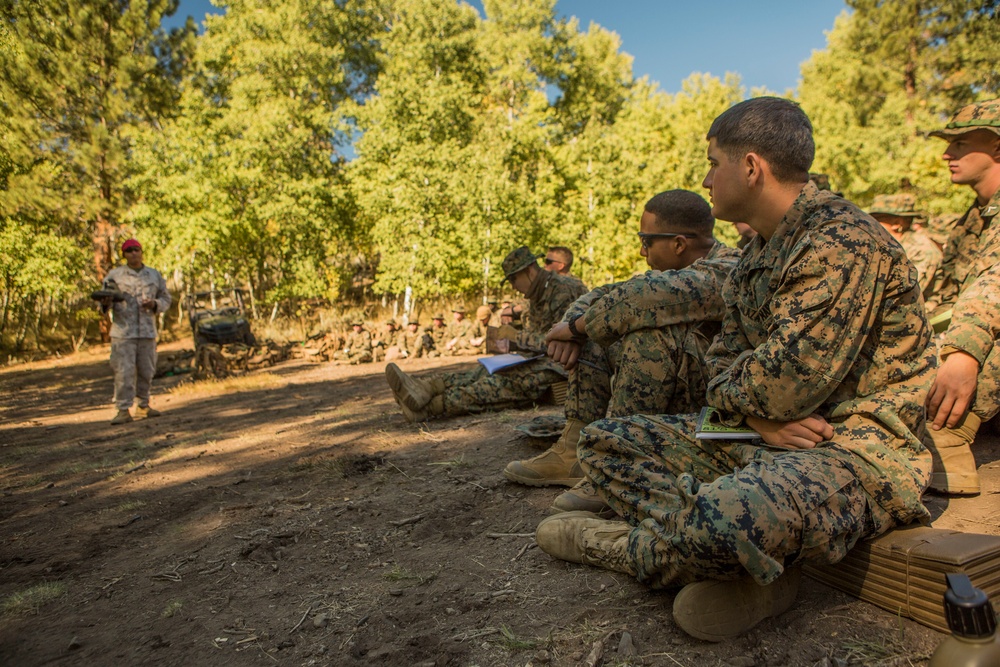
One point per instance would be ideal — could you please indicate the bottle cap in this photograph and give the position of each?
(968, 609)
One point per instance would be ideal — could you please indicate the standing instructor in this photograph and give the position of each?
(133, 330)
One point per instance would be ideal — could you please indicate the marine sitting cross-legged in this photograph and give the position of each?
(648, 334)
(825, 351)
(549, 295)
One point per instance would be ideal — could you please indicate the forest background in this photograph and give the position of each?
(318, 153)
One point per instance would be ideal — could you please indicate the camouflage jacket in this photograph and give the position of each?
(969, 282)
(411, 342)
(658, 299)
(826, 317)
(128, 318)
(548, 298)
(925, 255)
(358, 341)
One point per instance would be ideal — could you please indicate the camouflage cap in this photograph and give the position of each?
(518, 260)
(903, 205)
(412, 322)
(356, 323)
(391, 323)
(458, 309)
(483, 311)
(979, 116)
(438, 316)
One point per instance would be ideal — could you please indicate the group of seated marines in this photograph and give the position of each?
(815, 335)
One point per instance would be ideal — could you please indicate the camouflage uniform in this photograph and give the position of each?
(477, 391)
(458, 332)
(969, 284)
(652, 333)
(357, 348)
(411, 342)
(826, 317)
(919, 247)
(133, 332)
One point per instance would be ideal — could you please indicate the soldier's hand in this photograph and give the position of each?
(564, 353)
(953, 389)
(798, 434)
(559, 331)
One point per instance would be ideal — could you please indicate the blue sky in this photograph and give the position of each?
(764, 42)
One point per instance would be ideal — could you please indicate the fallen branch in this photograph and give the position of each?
(136, 467)
(497, 535)
(301, 620)
(407, 521)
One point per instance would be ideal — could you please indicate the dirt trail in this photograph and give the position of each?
(293, 517)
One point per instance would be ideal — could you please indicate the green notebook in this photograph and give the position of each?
(711, 427)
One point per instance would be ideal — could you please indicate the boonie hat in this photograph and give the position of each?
(903, 205)
(518, 260)
(979, 116)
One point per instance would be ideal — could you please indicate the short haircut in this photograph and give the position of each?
(564, 254)
(775, 129)
(682, 211)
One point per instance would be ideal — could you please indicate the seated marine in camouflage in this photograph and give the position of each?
(387, 344)
(411, 341)
(897, 213)
(435, 336)
(647, 335)
(966, 389)
(357, 347)
(457, 330)
(825, 351)
(549, 295)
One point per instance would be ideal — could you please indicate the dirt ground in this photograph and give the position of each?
(293, 517)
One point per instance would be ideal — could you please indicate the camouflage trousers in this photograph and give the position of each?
(703, 509)
(655, 371)
(353, 357)
(133, 361)
(987, 400)
(477, 391)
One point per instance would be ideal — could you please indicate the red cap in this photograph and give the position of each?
(131, 243)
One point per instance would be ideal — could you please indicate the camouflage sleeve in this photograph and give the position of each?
(580, 306)
(820, 318)
(366, 340)
(660, 299)
(975, 320)
(163, 298)
(547, 310)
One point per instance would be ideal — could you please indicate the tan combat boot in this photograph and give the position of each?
(123, 417)
(557, 466)
(718, 610)
(146, 413)
(582, 537)
(954, 470)
(434, 408)
(582, 498)
(410, 391)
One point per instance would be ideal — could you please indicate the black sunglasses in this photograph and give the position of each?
(133, 249)
(646, 239)
(551, 261)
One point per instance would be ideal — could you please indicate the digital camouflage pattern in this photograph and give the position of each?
(925, 255)
(411, 342)
(651, 332)
(978, 116)
(549, 296)
(357, 348)
(824, 318)
(477, 391)
(968, 283)
(128, 318)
